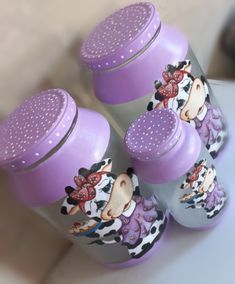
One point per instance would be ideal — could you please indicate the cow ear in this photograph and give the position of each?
(69, 207)
(182, 186)
(202, 162)
(185, 185)
(105, 166)
(188, 66)
(185, 66)
(74, 210)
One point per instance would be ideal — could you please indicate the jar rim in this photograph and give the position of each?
(121, 36)
(36, 127)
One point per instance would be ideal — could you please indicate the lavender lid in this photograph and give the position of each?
(162, 147)
(35, 128)
(153, 134)
(120, 36)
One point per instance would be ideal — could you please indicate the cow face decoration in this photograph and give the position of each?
(182, 93)
(206, 192)
(201, 178)
(99, 193)
(115, 208)
(189, 98)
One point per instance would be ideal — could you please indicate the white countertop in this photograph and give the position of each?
(185, 256)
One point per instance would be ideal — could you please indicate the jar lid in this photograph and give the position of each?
(153, 134)
(35, 128)
(120, 36)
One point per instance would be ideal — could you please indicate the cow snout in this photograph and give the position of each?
(196, 101)
(120, 198)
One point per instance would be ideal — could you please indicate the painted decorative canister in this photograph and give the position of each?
(168, 153)
(64, 160)
(131, 53)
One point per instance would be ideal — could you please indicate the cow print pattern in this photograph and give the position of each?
(120, 229)
(205, 191)
(176, 92)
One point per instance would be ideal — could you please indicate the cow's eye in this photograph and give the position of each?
(187, 87)
(180, 103)
(106, 188)
(100, 204)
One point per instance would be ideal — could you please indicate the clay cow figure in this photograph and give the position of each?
(117, 212)
(205, 191)
(189, 98)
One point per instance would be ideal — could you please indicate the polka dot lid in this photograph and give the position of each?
(35, 128)
(120, 36)
(153, 134)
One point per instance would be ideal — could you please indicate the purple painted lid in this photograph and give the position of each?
(35, 128)
(120, 36)
(153, 134)
(162, 147)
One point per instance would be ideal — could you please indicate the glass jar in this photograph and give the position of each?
(131, 53)
(167, 153)
(64, 160)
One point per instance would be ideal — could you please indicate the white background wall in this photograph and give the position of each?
(35, 35)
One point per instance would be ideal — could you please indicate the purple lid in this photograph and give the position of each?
(120, 36)
(153, 134)
(162, 147)
(35, 128)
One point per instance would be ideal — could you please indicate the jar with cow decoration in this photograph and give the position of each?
(168, 153)
(138, 63)
(66, 163)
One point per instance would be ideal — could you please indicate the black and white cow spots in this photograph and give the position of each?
(116, 210)
(147, 243)
(189, 97)
(205, 191)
